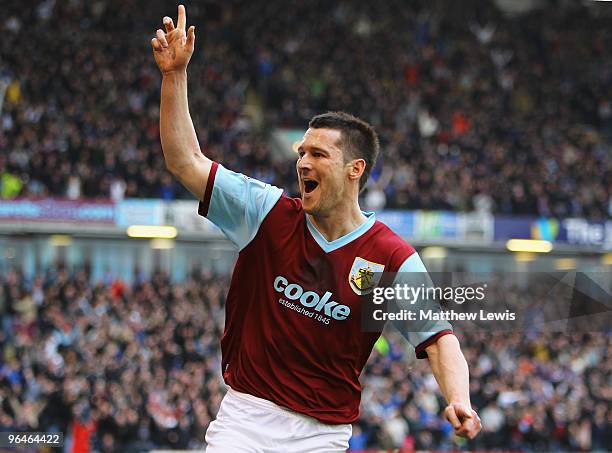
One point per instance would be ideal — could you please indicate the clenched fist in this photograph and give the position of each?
(465, 420)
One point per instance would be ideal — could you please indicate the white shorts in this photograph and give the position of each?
(247, 424)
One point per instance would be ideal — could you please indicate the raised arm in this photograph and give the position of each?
(172, 51)
(451, 371)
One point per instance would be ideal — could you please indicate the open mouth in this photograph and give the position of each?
(310, 185)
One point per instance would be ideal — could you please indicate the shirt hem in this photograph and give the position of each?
(420, 351)
(205, 202)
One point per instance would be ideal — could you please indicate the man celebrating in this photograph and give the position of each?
(293, 347)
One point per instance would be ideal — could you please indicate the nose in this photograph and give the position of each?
(304, 162)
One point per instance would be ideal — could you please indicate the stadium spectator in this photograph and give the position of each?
(513, 111)
(137, 367)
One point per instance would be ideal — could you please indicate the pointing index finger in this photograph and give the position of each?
(182, 18)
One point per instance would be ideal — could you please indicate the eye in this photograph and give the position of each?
(301, 154)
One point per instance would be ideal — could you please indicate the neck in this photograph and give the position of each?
(340, 222)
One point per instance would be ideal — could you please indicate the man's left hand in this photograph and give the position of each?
(464, 419)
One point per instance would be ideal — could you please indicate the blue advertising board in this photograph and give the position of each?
(64, 211)
(572, 231)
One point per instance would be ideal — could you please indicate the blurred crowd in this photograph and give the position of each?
(476, 110)
(130, 368)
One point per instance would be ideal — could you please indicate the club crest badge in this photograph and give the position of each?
(364, 275)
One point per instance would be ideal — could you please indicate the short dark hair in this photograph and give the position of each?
(358, 139)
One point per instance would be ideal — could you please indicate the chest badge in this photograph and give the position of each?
(364, 275)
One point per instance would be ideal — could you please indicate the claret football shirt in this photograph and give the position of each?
(293, 332)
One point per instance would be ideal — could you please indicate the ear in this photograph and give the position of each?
(355, 169)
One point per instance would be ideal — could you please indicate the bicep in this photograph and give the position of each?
(195, 175)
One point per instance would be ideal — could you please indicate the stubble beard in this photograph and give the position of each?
(327, 203)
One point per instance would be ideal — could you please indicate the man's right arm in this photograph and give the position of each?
(233, 202)
(178, 137)
(172, 50)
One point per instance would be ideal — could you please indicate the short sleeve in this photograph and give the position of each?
(237, 204)
(421, 332)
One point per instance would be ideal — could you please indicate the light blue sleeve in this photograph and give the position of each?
(239, 205)
(413, 273)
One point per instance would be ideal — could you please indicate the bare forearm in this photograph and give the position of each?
(450, 369)
(178, 137)
(172, 51)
